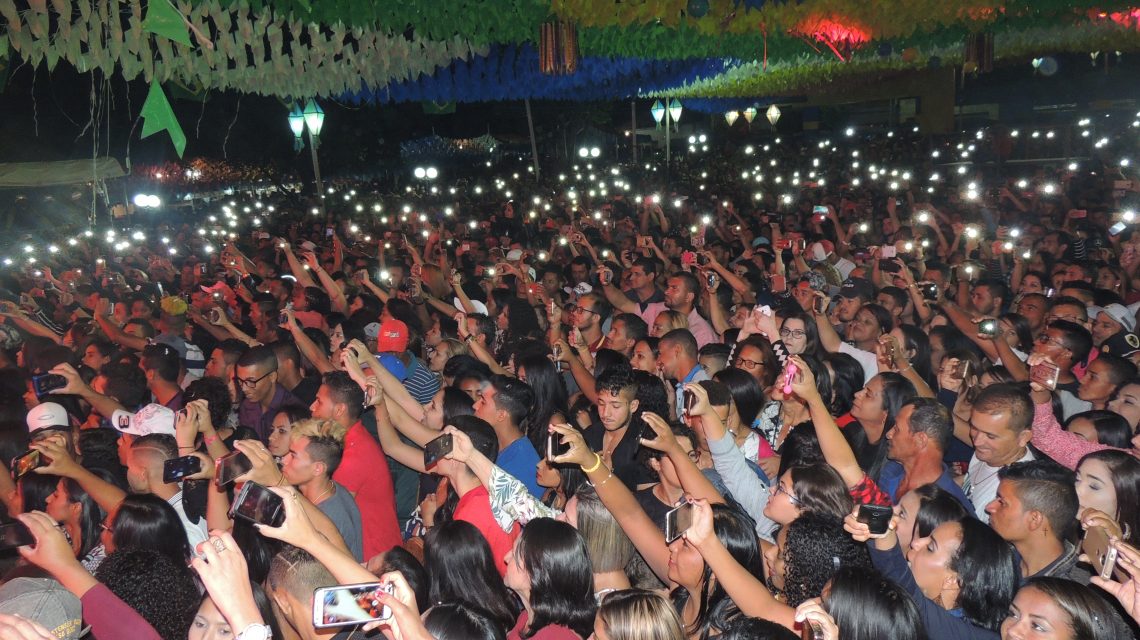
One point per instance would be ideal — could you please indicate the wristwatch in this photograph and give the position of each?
(256, 631)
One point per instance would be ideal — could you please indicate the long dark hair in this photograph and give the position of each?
(147, 521)
(91, 515)
(745, 391)
(461, 568)
(812, 344)
(872, 456)
(1125, 480)
(1091, 617)
(1111, 427)
(820, 488)
(846, 379)
(715, 608)
(554, 555)
(549, 395)
(868, 606)
(935, 506)
(461, 621)
(918, 342)
(988, 574)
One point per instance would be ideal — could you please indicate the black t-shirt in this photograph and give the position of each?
(306, 389)
(654, 508)
(624, 458)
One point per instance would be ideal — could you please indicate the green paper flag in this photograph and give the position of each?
(157, 116)
(164, 20)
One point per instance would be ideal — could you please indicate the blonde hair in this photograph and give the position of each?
(454, 347)
(637, 614)
(315, 428)
(608, 546)
(676, 319)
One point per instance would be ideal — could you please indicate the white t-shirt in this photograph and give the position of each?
(983, 483)
(869, 361)
(195, 531)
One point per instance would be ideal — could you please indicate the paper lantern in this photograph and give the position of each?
(731, 116)
(750, 114)
(773, 114)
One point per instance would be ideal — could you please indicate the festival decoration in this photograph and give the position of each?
(773, 114)
(512, 73)
(163, 19)
(287, 58)
(558, 48)
(731, 116)
(158, 116)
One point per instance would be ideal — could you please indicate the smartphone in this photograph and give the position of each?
(929, 290)
(712, 281)
(202, 269)
(790, 371)
(25, 462)
(554, 446)
(349, 604)
(818, 210)
(605, 276)
(1079, 213)
(46, 383)
(1045, 374)
(259, 505)
(1115, 229)
(229, 467)
(1101, 553)
(688, 258)
(215, 315)
(779, 283)
(876, 517)
(436, 450)
(15, 534)
(888, 251)
(677, 522)
(329, 231)
(176, 469)
(988, 328)
(961, 370)
(698, 240)
(819, 305)
(687, 401)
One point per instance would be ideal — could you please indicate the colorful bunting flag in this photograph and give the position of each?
(157, 116)
(164, 20)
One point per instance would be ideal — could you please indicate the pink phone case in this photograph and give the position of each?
(789, 374)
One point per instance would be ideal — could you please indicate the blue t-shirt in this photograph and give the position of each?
(892, 475)
(521, 461)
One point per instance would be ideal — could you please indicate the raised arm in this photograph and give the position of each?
(746, 590)
(831, 441)
(692, 480)
(646, 537)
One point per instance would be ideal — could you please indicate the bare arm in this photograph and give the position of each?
(619, 300)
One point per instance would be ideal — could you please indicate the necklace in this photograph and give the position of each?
(332, 487)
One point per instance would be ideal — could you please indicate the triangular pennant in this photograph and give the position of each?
(164, 20)
(158, 116)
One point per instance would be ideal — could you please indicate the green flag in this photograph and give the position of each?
(157, 116)
(433, 108)
(164, 20)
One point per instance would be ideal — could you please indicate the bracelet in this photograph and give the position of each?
(603, 482)
(909, 367)
(190, 447)
(597, 463)
(469, 337)
(209, 440)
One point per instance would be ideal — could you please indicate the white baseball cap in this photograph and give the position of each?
(153, 418)
(48, 415)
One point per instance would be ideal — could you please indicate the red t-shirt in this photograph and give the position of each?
(475, 507)
(364, 471)
(549, 632)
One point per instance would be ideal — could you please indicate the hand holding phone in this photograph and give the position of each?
(876, 517)
(678, 521)
(1045, 374)
(350, 604)
(436, 450)
(257, 504)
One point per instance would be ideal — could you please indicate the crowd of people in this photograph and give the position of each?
(809, 395)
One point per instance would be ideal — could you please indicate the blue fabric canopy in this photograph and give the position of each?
(511, 72)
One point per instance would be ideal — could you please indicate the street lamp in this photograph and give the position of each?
(313, 119)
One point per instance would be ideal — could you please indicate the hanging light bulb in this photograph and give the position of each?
(750, 114)
(731, 116)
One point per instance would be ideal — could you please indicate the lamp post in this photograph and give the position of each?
(312, 118)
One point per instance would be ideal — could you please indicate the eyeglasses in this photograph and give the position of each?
(746, 364)
(798, 334)
(250, 382)
(575, 308)
(1045, 339)
(779, 488)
